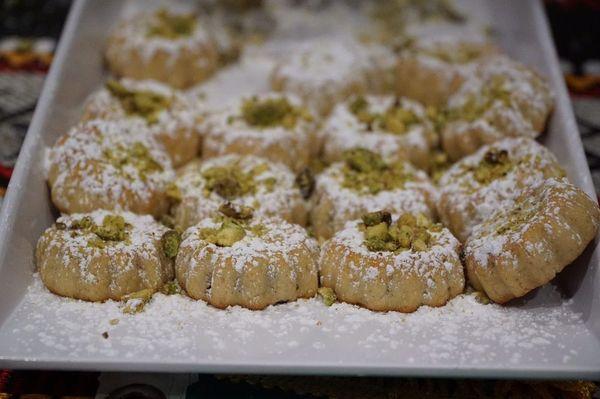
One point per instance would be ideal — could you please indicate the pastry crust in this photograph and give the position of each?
(391, 281)
(139, 49)
(395, 128)
(272, 190)
(173, 124)
(240, 129)
(502, 99)
(335, 203)
(75, 261)
(491, 179)
(277, 265)
(430, 70)
(524, 246)
(323, 73)
(109, 165)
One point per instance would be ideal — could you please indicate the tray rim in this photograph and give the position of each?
(33, 139)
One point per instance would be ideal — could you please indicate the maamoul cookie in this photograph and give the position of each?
(254, 262)
(273, 126)
(393, 127)
(491, 179)
(325, 72)
(364, 182)
(110, 165)
(393, 266)
(105, 255)
(244, 180)
(162, 45)
(431, 69)
(168, 115)
(502, 99)
(524, 246)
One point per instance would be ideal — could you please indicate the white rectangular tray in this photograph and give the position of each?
(552, 333)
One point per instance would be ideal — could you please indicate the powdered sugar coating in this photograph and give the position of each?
(517, 104)
(466, 202)
(72, 263)
(325, 71)
(276, 193)
(336, 204)
(226, 131)
(174, 124)
(132, 35)
(343, 130)
(83, 178)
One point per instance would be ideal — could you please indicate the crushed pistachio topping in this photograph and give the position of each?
(410, 232)
(113, 228)
(173, 193)
(517, 217)
(172, 26)
(226, 235)
(366, 172)
(328, 295)
(481, 297)
(396, 119)
(136, 301)
(272, 112)
(145, 104)
(137, 156)
(171, 288)
(462, 54)
(478, 103)
(229, 181)
(305, 180)
(495, 164)
(236, 211)
(170, 243)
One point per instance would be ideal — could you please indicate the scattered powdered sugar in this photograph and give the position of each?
(443, 253)
(279, 238)
(81, 170)
(132, 35)
(417, 196)
(343, 130)
(543, 204)
(516, 104)
(181, 114)
(177, 329)
(276, 193)
(473, 202)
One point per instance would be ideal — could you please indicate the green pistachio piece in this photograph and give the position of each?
(171, 288)
(270, 112)
(328, 295)
(113, 228)
(236, 211)
(373, 218)
(136, 301)
(172, 26)
(170, 241)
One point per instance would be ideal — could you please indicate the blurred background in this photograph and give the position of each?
(29, 31)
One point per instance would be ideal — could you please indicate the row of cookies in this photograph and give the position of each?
(126, 162)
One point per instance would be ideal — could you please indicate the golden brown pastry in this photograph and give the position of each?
(171, 47)
(523, 246)
(114, 165)
(105, 255)
(492, 178)
(237, 259)
(503, 98)
(384, 264)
